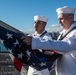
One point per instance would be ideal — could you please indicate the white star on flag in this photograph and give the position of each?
(16, 42)
(1, 41)
(42, 64)
(33, 63)
(28, 58)
(28, 53)
(9, 35)
(20, 55)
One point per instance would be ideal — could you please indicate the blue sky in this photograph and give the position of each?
(20, 13)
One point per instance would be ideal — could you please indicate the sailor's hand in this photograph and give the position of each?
(27, 39)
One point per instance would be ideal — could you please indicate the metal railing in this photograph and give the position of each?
(6, 65)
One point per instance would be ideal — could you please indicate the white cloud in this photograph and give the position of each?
(54, 28)
(28, 31)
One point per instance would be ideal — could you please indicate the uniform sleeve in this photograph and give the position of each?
(66, 45)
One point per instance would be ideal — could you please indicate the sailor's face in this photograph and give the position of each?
(39, 26)
(63, 20)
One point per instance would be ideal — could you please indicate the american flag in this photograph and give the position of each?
(23, 54)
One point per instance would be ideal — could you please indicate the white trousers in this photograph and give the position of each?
(32, 71)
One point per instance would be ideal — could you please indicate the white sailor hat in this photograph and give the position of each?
(40, 18)
(65, 10)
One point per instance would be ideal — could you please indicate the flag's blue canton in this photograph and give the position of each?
(21, 51)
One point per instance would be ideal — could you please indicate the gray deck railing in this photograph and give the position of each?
(6, 65)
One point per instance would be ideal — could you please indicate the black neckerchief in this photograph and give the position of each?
(62, 37)
(42, 34)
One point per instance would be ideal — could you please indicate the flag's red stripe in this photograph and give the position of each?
(17, 64)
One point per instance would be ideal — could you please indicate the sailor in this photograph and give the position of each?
(40, 32)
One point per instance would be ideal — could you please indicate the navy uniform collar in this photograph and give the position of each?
(40, 34)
